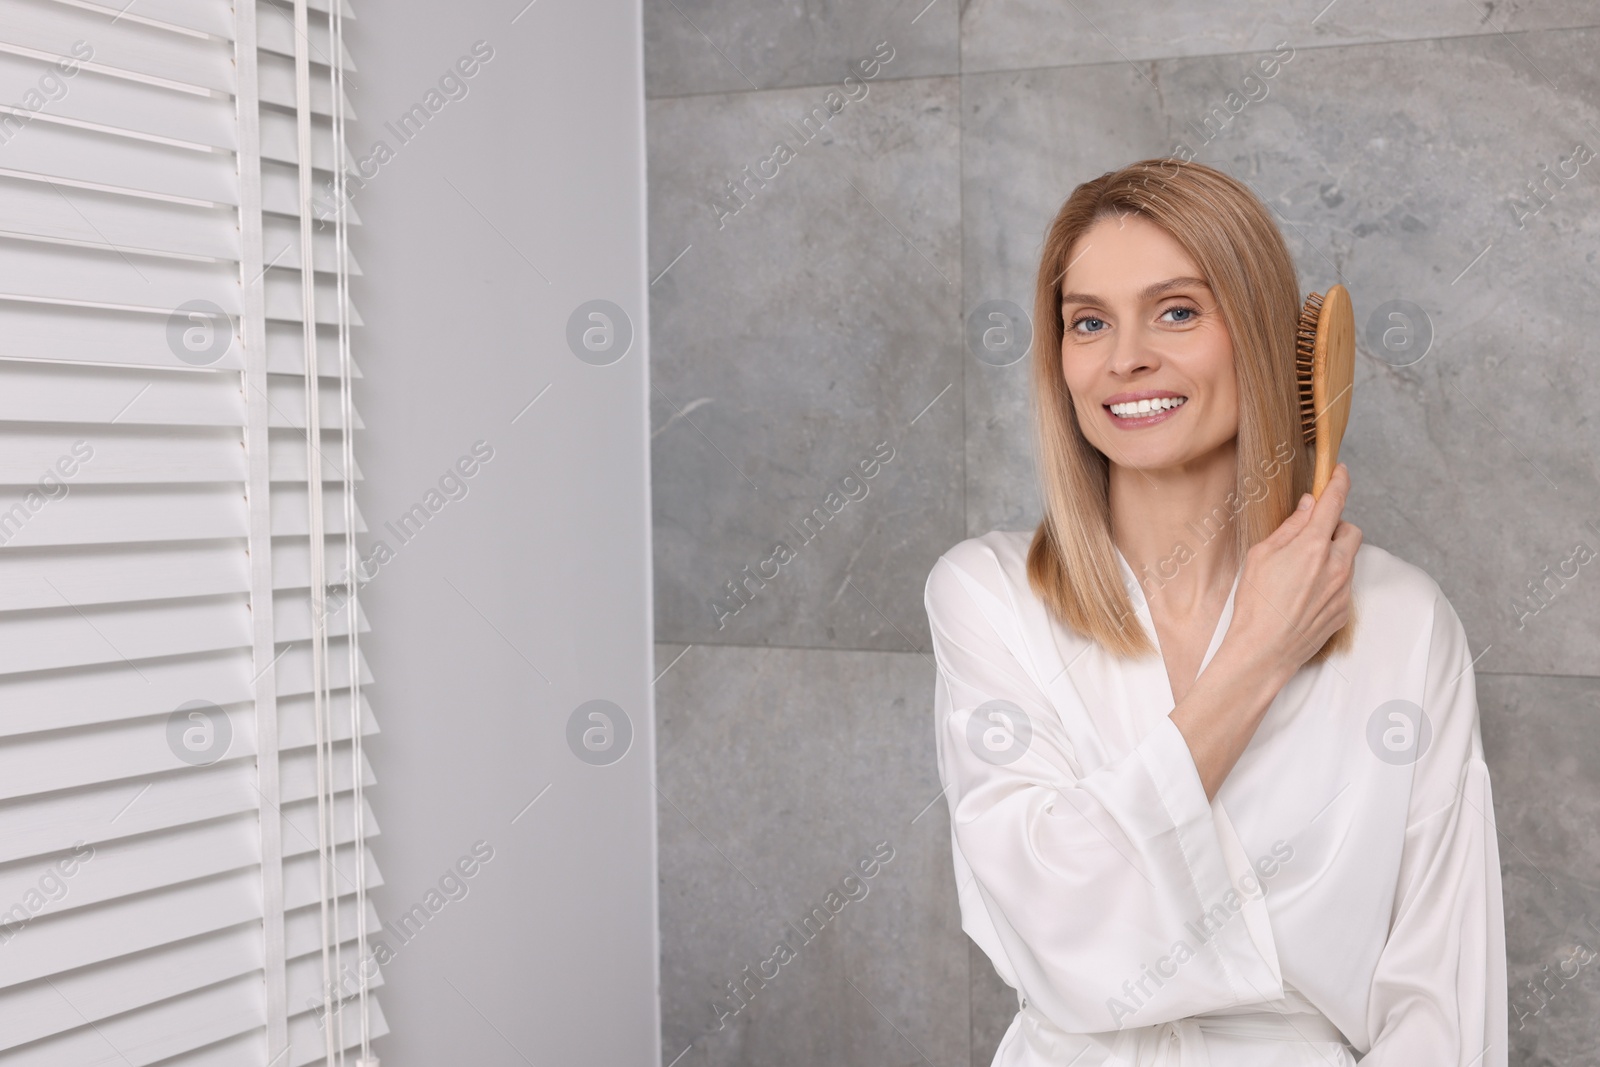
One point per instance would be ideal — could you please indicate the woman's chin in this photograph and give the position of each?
(1177, 458)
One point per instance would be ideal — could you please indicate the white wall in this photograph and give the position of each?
(530, 594)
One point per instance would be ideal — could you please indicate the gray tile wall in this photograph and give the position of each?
(814, 323)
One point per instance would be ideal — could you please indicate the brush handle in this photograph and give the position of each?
(1332, 378)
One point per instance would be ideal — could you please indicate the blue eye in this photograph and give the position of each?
(1190, 314)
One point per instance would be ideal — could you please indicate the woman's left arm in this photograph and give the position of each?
(1439, 994)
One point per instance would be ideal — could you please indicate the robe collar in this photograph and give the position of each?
(1154, 667)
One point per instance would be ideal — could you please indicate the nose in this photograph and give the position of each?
(1131, 355)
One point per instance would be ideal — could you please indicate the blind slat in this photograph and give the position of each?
(294, 668)
(139, 168)
(96, 514)
(292, 618)
(120, 456)
(292, 519)
(130, 573)
(280, 191)
(128, 866)
(132, 226)
(134, 924)
(281, 241)
(213, 19)
(286, 462)
(275, 33)
(138, 748)
(300, 771)
(48, 700)
(123, 868)
(129, 396)
(305, 1046)
(58, 272)
(300, 826)
(284, 299)
(303, 1032)
(133, 108)
(121, 574)
(158, 1032)
(288, 403)
(291, 565)
(297, 726)
(34, 1010)
(277, 87)
(286, 353)
(91, 335)
(131, 50)
(39, 825)
(197, 1019)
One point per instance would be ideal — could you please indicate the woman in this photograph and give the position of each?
(1216, 786)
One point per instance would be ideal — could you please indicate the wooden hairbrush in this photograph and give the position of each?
(1324, 365)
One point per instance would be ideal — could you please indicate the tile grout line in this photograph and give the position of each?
(961, 72)
(923, 651)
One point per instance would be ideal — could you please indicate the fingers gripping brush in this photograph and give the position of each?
(1324, 364)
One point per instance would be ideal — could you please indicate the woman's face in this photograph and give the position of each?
(1140, 323)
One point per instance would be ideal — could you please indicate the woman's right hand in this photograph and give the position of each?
(1294, 591)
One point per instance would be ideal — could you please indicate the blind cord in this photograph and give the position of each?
(352, 580)
(315, 542)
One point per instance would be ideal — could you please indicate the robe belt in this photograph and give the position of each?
(1181, 1042)
(1187, 1045)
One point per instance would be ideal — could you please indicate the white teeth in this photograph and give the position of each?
(1136, 408)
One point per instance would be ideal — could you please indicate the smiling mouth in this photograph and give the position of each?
(1144, 409)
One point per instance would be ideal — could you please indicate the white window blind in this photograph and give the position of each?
(182, 818)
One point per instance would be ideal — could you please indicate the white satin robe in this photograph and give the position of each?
(1085, 855)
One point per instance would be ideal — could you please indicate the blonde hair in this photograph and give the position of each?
(1230, 235)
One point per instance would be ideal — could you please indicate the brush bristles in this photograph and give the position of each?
(1305, 347)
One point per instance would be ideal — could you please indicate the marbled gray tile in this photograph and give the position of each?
(994, 1006)
(1396, 169)
(711, 46)
(821, 319)
(779, 770)
(1541, 738)
(792, 341)
(1017, 34)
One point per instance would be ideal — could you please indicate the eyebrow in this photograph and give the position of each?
(1150, 292)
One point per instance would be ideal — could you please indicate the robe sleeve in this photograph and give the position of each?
(1096, 882)
(1439, 993)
